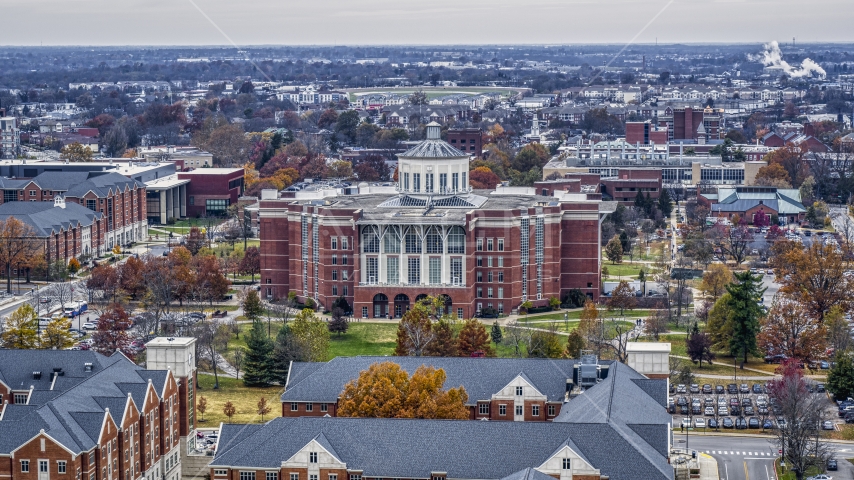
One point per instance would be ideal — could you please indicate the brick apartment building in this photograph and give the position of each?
(469, 140)
(617, 429)
(385, 247)
(83, 416)
(120, 201)
(212, 190)
(63, 230)
(498, 389)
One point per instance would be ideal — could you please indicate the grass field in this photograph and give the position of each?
(625, 269)
(244, 399)
(364, 338)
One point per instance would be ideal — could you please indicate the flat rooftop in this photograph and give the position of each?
(212, 171)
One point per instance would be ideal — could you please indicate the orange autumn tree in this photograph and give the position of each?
(385, 390)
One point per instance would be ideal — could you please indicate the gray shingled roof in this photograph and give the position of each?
(73, 411)
(528, 474)
(481, 377)
(398, 448)
(46, 218)
(77, 184)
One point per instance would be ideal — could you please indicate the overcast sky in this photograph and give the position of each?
(351, 22)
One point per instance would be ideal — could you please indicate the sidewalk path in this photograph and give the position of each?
(708, 467)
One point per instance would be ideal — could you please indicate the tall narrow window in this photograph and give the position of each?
(435, 270)
(428, 183)
(416, 182)
(443, 182)
(392, 270)
(456, 270)
(406, 182)
(414, 270)
(372, 270)
(455, 182)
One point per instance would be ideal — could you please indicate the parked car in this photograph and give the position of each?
(749, 411)
(686, 422)
(713, 423)
(820, 388)
(831, 464)
(682, 401)
(695, 388)
(827, 425)
(700, 423)
(719, 389)
(757, 388)
(722, 411)
(709, 411)
(753, 422)
(88, 326)
(727, 422)
(744, 388)
(732, 388)
(768, 425)
(740, 423)
(681, 388)
(820, 477)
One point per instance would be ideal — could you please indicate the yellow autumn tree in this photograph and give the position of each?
(21, 328)
(56, 334)
(588, 324)
(386, 391)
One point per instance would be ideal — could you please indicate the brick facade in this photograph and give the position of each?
(492, 259)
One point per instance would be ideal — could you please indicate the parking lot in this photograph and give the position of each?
(731, 406)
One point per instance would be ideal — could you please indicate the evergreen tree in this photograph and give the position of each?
(625, 242)
(840, 380)
(252, 307)
(445, 342)
(496, 334)
(744, 298)
(285, 351)
(257, 369)
(640, 201)
(665, 203)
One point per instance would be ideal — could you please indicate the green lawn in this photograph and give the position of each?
(624, 269)
(243, 398)
(364, 338)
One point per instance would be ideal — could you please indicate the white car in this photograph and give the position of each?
(821, 477)
(88, 326)
(699, 423)
(686, 422)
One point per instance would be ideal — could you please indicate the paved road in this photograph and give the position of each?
(752, 458)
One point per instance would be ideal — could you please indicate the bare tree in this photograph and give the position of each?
(845, 228)
(800, 437)
(212, 339)
(237, 361)
(515, 336)
(62, 293)
(733, 240)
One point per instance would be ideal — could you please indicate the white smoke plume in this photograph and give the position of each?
(772, 56)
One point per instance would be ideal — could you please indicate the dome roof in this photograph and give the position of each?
(433, 149)
(434, 146)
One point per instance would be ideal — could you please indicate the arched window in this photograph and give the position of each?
(456, 240)
(434, 240)
(370, 239)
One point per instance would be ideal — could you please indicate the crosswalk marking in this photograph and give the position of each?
(746, 454)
